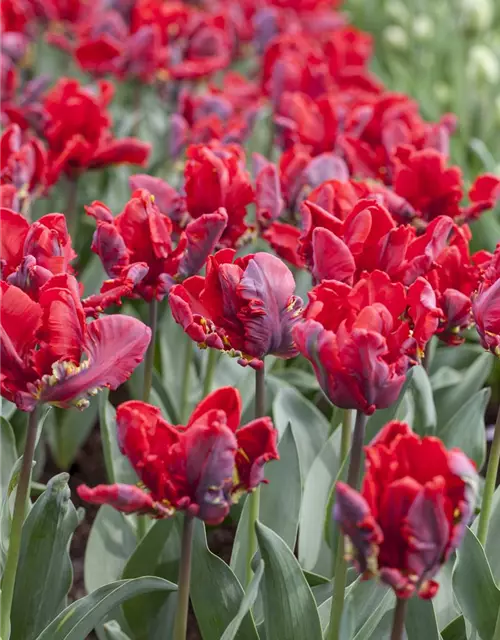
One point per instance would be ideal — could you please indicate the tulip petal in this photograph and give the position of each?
(227, 399)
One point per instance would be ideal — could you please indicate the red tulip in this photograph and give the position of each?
(411, 514)
(246, 308)
(202, 467)
(50, 354)
(78, 131)
(215, 177)
(358, 344)
(136, 247)
(31, 254)
(486, 305)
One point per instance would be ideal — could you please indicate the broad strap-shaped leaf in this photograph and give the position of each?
(44, 573)
(111, 542)
(475, 588)
(67, 431)
(246, 604)
(140, 612)
(78, 620)
(314, 553)
(466, 428)
(310, 428)
(421, 620)
(289, 606)
(425, 419)
(216, 593)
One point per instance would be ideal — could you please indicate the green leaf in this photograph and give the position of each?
(118, 468)
(420, 621)
(474, 587)
(216, 593)
(113, 631)
(289, 605)
(141, 612)
(310, 428)
(8, 455)
(246, 604)
(455, 630)
(67, 430)
(44, 572)
(78, 620)
(110, 544)
(7, 409)
(425, 417)
(314, 553)
(280, 499)
(466, 428)
(240, 544)
(449, 400)
(492, 546)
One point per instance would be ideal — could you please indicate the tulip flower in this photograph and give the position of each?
(415, 502)
(201, 468)
(358, 343)
(51, 355)
(78, 131)
(486, 305)
(245, 307)
(137, 252)
(215, 176)
(31, 254)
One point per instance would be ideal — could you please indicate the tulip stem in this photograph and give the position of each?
(353, 474)
(186, 379)
(254, 497)
(181, 614)
(9, 575)
(398, 623)
(71, 213)
(490, 482)
(150, 353)
(340, 570)
(209, 372)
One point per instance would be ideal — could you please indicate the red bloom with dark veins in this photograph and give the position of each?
(30, 254)
(137, 251)
(454, 278)
(22, 166)
(486, 305)
(416, 500)
(215, 177)
(433, 189)
(357, 342)
(78, 131)
(51, 355)
(245, 307)
(201, 468)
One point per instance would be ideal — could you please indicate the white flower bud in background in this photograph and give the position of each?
(423, 27)
(397, 11)
(477, 15)
(483, 65)
(442, 93)
(396, 37)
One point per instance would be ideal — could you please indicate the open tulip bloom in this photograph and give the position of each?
(201, 468)
(51, 355)
(411, 514)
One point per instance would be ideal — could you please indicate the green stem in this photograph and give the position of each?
(210, 371)
(9, 576)
(150, 354)
(254, 497)
(71, 212)
(354, 472)
(398, 624)
(340, 569)
(489, 484)
(181, 614)
(186, 379)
